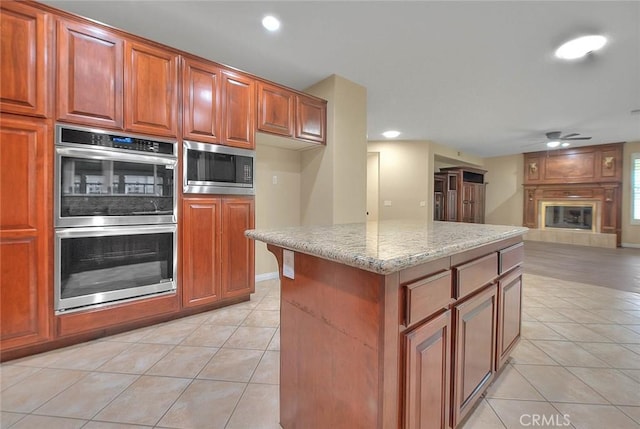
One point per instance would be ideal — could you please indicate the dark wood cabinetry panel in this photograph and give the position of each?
(90, 75)
(311, 117)
(474, 350)
(25, 256)
(238, 114)
(275, 109)
(427, 374)
(150, 90)
(201, 229)
(201, 87)
(509, 315)
(238, 252)
(24, 85)
(464, 188)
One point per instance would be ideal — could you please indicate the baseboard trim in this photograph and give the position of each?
(267, 276)
(633, 245)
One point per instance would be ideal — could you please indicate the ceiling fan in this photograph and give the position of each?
(555, 138)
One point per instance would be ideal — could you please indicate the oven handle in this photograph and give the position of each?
(119, 156)
(106, 231)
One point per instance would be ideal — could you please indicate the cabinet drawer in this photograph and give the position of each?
(511, 257)
(473, 275)
(427, 296)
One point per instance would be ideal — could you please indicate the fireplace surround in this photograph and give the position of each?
(579, 188)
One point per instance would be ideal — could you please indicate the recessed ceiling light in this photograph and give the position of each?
(271, 23)
(391, 134)
(565, 144)
(578, 48)
(554, 143)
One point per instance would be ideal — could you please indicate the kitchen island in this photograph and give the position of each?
(393, 324)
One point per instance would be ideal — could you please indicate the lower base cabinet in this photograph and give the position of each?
(217, 259)
(427, 383)
(474, 350)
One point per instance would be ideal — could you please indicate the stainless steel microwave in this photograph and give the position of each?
(216, 169)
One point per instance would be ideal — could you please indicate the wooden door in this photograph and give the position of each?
(150, 90)
(478, 203)
(90, 75)
(239, 113)
(275, 109)
(427, 374)
(25, 229)
(509, 315)
(24, 59)
(468, 196)
(201, 101)
(201, 251)
(311, 116)
(238, 276)
(474, 350)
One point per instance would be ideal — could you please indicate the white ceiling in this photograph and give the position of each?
(477, 76)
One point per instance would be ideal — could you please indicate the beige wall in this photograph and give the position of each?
(504, 192)
(630, 233)
(277, 205)
(333, 178)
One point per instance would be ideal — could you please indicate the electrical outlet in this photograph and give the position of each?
(423, 203)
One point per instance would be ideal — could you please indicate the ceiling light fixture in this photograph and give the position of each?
(391, 134)
(553, 143)
(565, 144)
(271, 23)
(581, 46)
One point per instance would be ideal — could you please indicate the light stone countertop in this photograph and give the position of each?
(387, 246)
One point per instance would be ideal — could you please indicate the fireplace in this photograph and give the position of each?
(573, 215)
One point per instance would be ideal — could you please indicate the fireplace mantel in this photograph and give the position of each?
(588, 174)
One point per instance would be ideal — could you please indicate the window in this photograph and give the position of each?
(635, 188)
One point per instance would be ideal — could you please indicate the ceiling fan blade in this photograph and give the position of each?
(569, 135)
(577, 138)
(553, 135)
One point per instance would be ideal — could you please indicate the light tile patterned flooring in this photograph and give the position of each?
(577, 366)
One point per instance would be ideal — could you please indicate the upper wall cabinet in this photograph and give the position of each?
(23, 59)
(201, 87)
(238, 110)
(90, 75)
(285, 113)
(151, 90)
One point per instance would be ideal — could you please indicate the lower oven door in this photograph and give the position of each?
(98, 265)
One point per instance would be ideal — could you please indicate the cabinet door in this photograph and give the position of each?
(311, 117)
(474, 350)
(427, 379)
(150, 90)
(23, 59)
(201, 101)
(275, 109)
(201, 253)
(509, 315)
(478, 203)
(468, 196)
(90, 75)
(238, 115)
(25, 280)
(238, 276)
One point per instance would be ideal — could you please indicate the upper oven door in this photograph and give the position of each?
(216, 169)
(101, 187)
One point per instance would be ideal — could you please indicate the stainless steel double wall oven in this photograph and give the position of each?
(115, 217)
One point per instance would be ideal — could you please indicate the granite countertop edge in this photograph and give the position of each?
(373, 264)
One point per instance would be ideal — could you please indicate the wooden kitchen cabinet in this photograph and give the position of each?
(201, 88)
(509, 315)
(25, 222)
(217, 259)
(90, 75)
(474, 350)
(201, 256)
(427, 374)
(311, 119)
(238, 110)
(465, 194)
(150, 89)
(24, 59)
(276, 106)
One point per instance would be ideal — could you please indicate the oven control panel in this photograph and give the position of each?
(100, 138)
